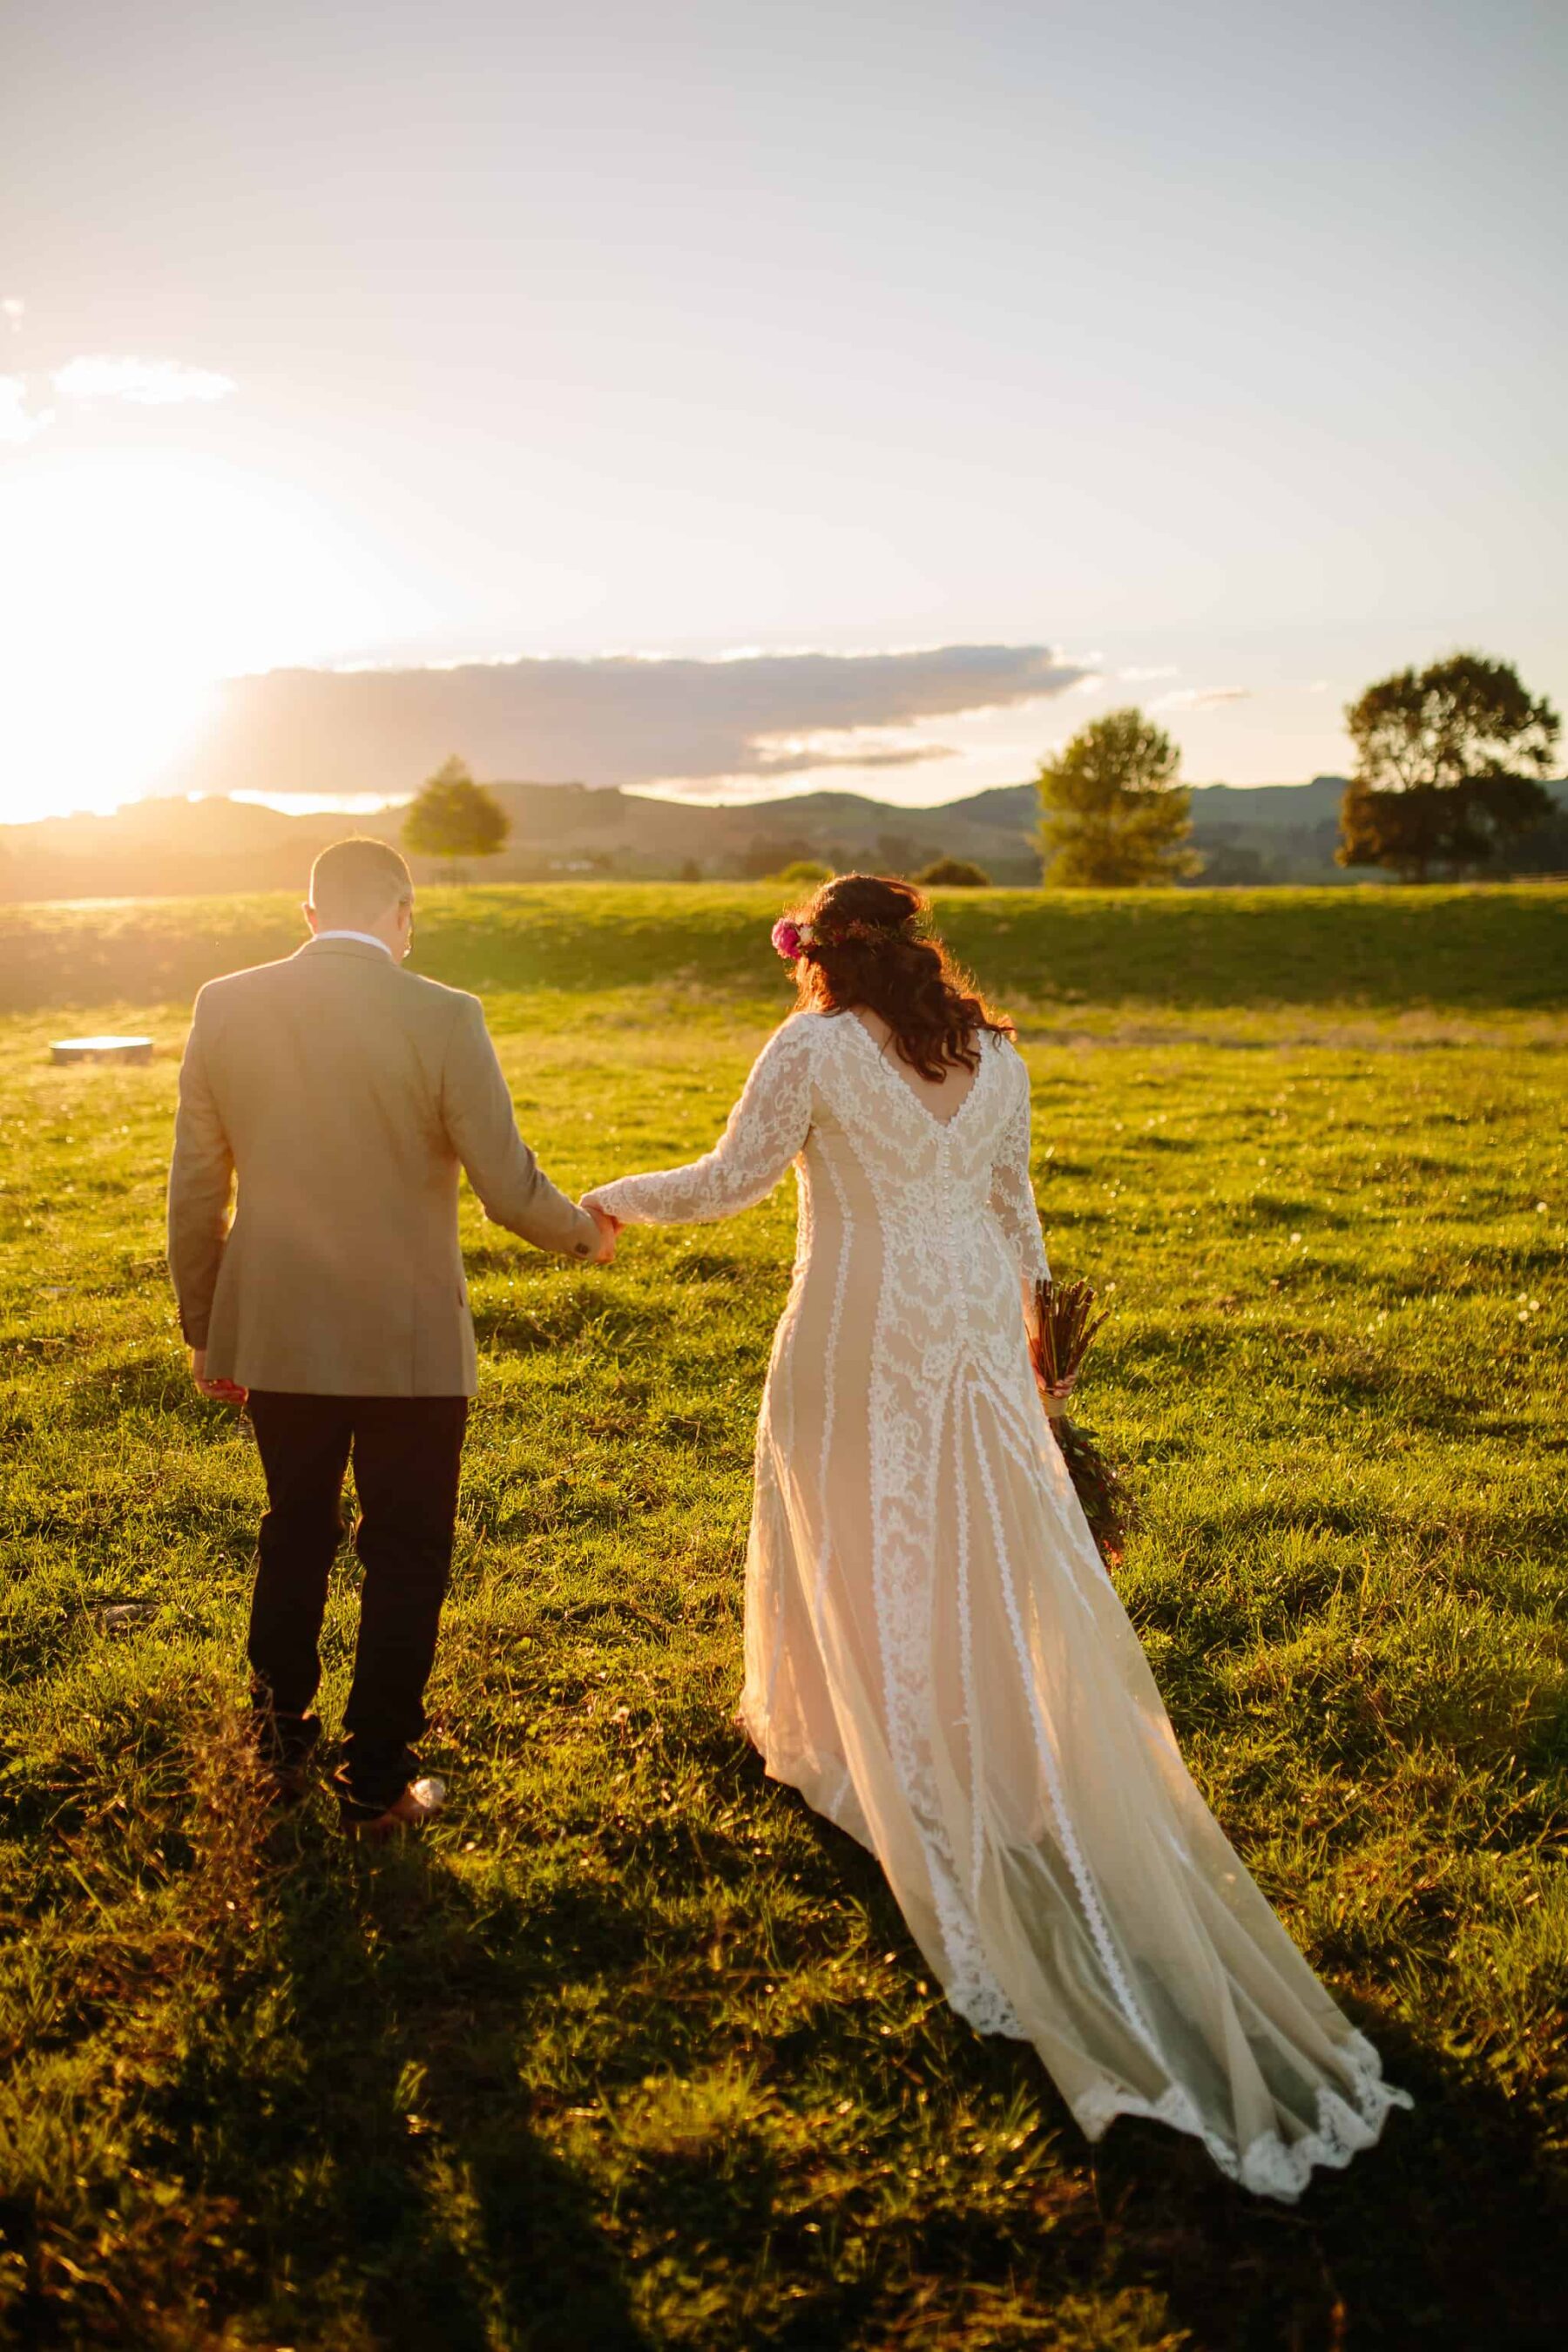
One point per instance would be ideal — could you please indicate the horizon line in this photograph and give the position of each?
(305, 803)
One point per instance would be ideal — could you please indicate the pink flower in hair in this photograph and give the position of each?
(792, 938)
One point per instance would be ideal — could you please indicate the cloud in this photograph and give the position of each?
(609, 719)
(154, 383)
(844, 747)
(1201, 698)
(148, 384)
(18, 423)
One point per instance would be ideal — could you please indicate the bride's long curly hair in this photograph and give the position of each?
(872, 945)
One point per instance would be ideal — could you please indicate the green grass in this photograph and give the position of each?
(632, 2052)
(1462, 947)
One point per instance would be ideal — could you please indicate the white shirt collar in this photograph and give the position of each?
(366, 938)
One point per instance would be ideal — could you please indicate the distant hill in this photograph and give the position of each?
(1261, 833)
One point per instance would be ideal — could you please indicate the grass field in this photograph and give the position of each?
(632, 2052)
(1480, 949)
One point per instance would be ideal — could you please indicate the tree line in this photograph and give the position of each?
(1449, 768)
(1450, 763)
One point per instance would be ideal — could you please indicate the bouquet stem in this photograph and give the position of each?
(1065, 1327)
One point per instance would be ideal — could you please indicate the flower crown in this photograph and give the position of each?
(793, 938)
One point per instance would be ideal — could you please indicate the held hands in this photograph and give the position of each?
(220, 1391)
(608, 1228)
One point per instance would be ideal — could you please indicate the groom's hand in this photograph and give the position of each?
(220, 1391)
(608, 1228)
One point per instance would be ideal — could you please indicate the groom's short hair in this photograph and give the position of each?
(355, 882)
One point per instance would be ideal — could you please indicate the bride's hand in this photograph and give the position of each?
(609, 1227)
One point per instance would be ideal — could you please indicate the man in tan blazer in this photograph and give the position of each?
(344, 1095)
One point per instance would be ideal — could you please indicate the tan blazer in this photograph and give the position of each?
(344, 1093)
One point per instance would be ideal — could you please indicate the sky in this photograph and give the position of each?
(1208, 358)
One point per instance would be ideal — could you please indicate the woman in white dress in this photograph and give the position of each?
(935, 1656)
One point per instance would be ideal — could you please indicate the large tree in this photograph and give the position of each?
(453, 817)
(1448, 767)
(1111, 812)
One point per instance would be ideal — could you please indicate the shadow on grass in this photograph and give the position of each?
(1439, 2235)
(1443, 2234)
(376, 2050)
(385, 2151)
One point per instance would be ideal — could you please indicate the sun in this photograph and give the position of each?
(129, 587)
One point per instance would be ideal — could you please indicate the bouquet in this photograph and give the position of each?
(1065, 1325)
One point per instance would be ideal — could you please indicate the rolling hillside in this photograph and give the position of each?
(1275, 833)
(1250, 835)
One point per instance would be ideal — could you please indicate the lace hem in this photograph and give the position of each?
(973, 1992)
(980, 2002)
(1269, 2166)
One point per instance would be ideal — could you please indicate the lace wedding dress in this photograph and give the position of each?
(935, 1656)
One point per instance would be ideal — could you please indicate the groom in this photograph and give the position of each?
(344, 1093)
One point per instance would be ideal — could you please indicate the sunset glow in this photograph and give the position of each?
(1194, 342)
(130, 585)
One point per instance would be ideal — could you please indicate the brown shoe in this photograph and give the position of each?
(420, 1802)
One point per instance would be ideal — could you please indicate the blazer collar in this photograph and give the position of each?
(361, 948)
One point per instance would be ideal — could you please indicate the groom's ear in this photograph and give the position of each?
(310, 914)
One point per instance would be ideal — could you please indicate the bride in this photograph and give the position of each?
(935, 1656)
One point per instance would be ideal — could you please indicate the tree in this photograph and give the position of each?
(1545, 849)
(453, 817)
(1448, 767)
(1112, 814)
(800, 872)
(954, 874)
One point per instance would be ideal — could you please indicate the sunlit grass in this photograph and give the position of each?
(1375, 948)
(635, 2052)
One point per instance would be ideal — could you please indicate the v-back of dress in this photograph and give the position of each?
(935, 1656)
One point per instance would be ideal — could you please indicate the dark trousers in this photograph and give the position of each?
(406, 1451)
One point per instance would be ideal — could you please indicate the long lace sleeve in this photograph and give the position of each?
(767, 1129)
(1013, 1192)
